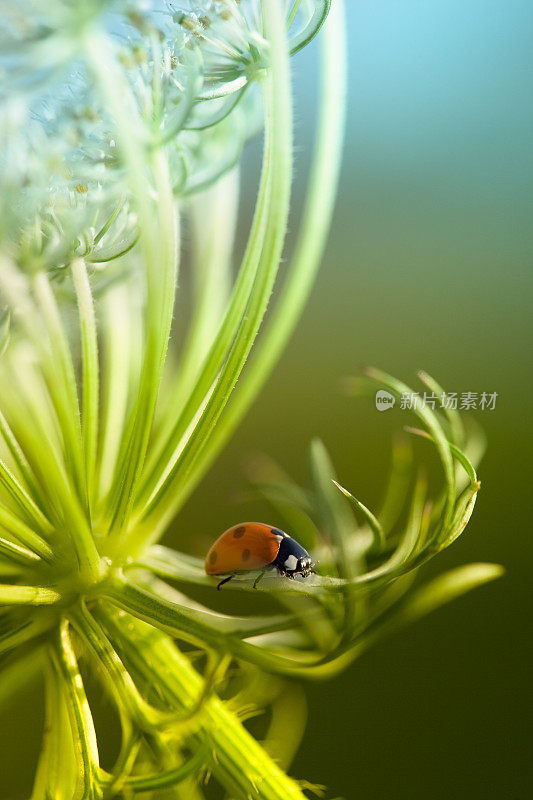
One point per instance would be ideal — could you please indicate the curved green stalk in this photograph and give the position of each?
(61, 382)
(169, 618)
(91, 383)
(119, 680)
(441, 443)
(316, 21)
(160, 304)
(241, 763)
(19, 459)
(57, 769)
(15, 553)
(279, 128)
(214, 361)
(304, 263)
(15, 525)
(62, 482)
(121, 324)
(373, 523)
(213, 218)
(159, 242)
(168, 778)
(68, 525)
(81, 722)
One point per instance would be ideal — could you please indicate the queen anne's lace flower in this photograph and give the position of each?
(187, 65)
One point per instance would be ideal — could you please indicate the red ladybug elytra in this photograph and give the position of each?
(254, 545)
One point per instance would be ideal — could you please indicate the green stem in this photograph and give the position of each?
(214, 360)
(18, 554)
(159, 243)
(163, 780)
(81, 721)
(28, 479)
(58, 368)
(160, 304)
(304, 263)
(213, 215)
(89, 349)
(35, 424)
(122, 686)
(25, 534)
(175, 619)
(378, 543)
(430, 419)
(65, 488)
(121, 323)
(56, 773)
(315, 226)
(397, 483)
(279, 131)
(27, 595)
(240, 763)
(71, 527)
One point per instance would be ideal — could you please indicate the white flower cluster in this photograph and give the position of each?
(186, 67)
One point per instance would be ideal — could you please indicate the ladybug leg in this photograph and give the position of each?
(223, 581)
(258, 578)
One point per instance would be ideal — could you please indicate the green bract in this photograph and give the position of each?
(117, 120)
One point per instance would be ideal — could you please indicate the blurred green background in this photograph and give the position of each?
(428, 266)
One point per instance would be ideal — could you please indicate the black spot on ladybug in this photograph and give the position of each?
(213, 557)
(240, 531)
(277, 532)
(245, 555)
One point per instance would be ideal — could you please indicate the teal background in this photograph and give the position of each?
(428, 266)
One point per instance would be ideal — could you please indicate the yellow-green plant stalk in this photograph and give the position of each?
(118, 121)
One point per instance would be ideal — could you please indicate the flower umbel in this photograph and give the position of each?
(117, 121)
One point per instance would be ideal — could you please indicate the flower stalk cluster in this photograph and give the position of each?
(119, 122)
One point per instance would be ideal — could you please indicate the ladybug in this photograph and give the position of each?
(253, 545)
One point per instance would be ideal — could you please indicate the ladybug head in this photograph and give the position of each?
(293, 560)
(305, 566)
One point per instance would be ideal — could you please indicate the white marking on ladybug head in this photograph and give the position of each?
(279, 538)
(291, 562)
